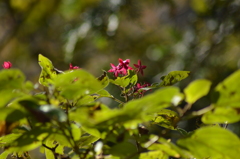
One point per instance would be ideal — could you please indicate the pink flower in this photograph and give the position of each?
(122, 68)
(140, 67)
(71, 67)
(114, 69)
(7, 65)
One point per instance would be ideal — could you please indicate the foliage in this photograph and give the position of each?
(67, 118)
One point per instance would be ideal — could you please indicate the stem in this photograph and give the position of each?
(185, 109)
(125, 94)
(149, 143)
(117, 100)
(200, 112)
(225, 126)
(52, 149)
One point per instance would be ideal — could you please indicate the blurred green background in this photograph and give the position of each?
(201, 36)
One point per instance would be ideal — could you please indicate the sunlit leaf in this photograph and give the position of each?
(60, 138)
(92, 131)
(212, 142)
(171, 149)
(154, 102)
(4, 154)
(166, 118)
(77, 83)
(130, 78)
(221, 115)
(48, 73)
(227, 93)
(86, 140)
(121, 81)
(173, 77)
(153, 155)
(76, 132)
(8, 139)
(196, 90)
(48, 153)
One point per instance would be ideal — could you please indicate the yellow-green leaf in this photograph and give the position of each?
(196, 90)
(48, 72)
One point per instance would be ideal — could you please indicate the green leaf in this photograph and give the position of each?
(76, 132)
(154, 102)
(87, 140)
(7, 96)
(196, 90)
(173, 77)
(104, 80)
(182, 131)
(11, 85)
(4, 154)
(11, 79)
(85, 100)
(10, 114)
(103, 93)
(77, 83)
(133, 77)
(221, 115)
(8, 139)
(212, 142)
(60, 149)
(48, 153)
(165, 147)
(133, 112)
(48, 73)
(153, 155)
(227, 93)
(121, 81)
(130, 78)
(166, 118)
(93, 118)
(123, 149)
(92, 131)
(60, 138)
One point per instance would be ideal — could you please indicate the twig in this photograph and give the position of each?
(117, 100)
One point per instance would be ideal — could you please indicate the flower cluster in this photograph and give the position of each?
(71, 67)
(123, 67)
(7, 65)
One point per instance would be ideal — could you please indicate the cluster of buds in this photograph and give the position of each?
(71, 67)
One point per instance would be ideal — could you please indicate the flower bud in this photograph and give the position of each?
(7, 65)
